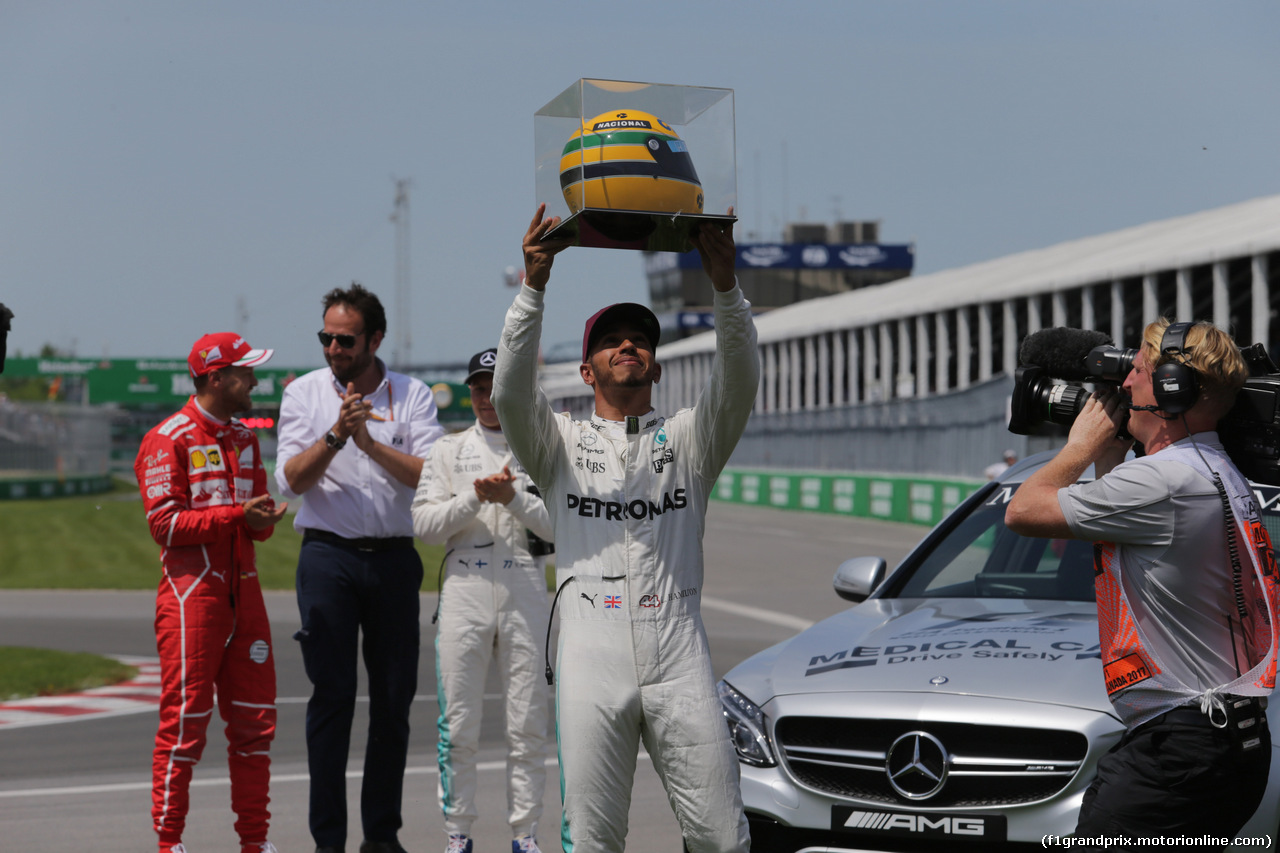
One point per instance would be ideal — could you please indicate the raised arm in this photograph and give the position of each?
(527, 420)
(1034, 509)
(726, 402)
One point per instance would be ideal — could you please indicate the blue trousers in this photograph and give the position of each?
(341, 592)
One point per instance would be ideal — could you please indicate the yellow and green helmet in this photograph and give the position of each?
(629, 160)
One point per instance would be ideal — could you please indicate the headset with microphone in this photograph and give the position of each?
(1174, 383)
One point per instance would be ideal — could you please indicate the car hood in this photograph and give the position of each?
(1039, 651)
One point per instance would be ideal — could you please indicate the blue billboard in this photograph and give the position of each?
(793, 256)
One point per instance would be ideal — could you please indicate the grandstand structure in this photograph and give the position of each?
(914, 376)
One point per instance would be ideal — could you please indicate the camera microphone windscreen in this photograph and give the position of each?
(1062, 351)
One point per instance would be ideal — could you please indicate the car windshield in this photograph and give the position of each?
(981, 558)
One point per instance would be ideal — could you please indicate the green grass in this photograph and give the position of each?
(102, 542)
(43, 672)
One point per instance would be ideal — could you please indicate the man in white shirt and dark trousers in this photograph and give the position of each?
(352, 439)
(476, 499)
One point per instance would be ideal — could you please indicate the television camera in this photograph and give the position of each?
(1056, 365)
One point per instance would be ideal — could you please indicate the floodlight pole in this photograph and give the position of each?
(401, 352)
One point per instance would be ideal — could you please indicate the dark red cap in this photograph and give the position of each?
(224, 349)
(620, 312)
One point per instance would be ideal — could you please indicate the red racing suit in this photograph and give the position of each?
(212, 631)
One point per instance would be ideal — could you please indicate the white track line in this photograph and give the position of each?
(281, 779)
(757, 613)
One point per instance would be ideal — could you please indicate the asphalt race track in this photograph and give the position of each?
(84, 784)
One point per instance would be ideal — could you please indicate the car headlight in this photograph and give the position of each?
(746, 727)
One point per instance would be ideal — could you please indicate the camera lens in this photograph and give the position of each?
(1037, 399)
(1059, 404)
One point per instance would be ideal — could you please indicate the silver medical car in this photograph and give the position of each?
(960, 706)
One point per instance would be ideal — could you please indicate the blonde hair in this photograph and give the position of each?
(1209, 351)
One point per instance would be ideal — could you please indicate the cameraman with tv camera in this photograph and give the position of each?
(1185, 582)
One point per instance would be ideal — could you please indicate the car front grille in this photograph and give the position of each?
(986, 767)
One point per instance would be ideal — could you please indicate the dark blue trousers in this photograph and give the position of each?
(341, 592)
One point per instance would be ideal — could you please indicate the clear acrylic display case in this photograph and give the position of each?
(636, 165)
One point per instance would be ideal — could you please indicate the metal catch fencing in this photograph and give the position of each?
(44, 439)
(956, 434)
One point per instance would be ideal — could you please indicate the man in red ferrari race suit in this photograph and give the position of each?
(205, 494)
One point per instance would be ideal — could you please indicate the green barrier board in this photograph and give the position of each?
(891, 497)
(26, 488)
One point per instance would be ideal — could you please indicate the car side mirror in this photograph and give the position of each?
(857, 578)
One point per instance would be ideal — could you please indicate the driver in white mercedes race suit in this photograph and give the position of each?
(627, 493)
(493, 605)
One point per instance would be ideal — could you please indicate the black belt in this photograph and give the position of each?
(1248, 706)
(367, 543)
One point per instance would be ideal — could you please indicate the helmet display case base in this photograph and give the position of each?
(636, 229)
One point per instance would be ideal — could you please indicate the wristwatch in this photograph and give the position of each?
(331, 439)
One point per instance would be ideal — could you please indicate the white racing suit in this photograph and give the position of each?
(494, 601)
(628, 502)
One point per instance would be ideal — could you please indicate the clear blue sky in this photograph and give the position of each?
(160, 160)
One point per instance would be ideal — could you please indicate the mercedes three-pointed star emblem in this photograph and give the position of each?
(917, 765)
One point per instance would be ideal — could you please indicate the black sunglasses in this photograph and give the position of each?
(344, 341)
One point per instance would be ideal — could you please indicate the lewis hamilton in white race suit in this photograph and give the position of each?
(627, 493)
(493, 603)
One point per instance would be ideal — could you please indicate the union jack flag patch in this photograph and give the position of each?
(612, 601)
